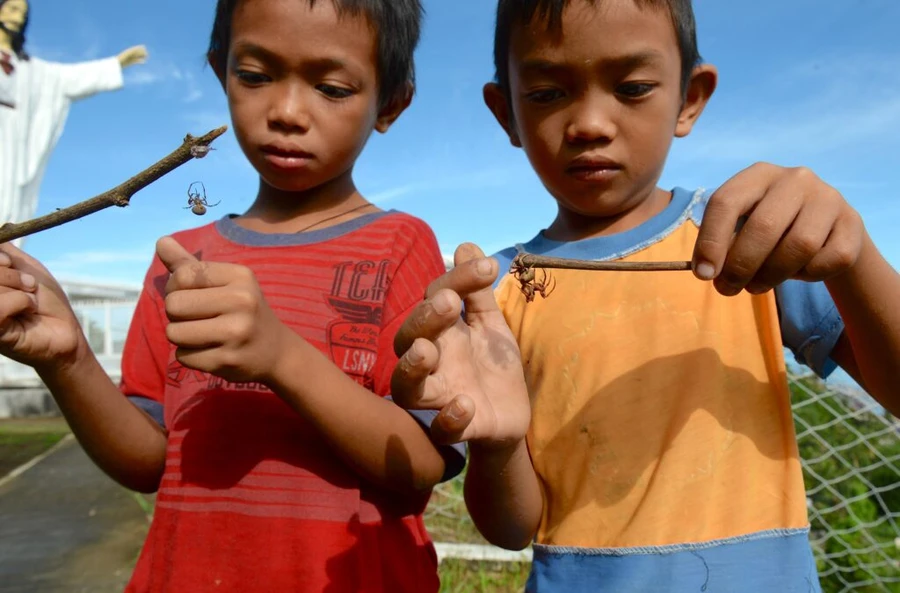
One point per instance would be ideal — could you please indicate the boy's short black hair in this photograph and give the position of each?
(512, 12)
(397, 25)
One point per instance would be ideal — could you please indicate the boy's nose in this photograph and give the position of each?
(289, 110)
(591, 121)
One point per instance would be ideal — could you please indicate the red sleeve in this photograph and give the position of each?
(420, 262)
(146, 352)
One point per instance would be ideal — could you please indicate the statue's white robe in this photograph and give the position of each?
(42, 93)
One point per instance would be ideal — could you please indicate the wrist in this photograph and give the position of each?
(67, 364)
(500, 451)
(289, 349)
(854, 275)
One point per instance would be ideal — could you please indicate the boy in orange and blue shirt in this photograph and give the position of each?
(649, 445)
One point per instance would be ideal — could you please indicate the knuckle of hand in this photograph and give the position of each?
(245, 300)
(707, 246)
(240, 329)
(184, 276)
(843, 255)
(803, 246)
(804, 175)
(762, 226)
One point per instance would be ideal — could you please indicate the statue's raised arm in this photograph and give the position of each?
(35, 96)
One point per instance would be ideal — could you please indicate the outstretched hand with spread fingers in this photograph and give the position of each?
(465, 364)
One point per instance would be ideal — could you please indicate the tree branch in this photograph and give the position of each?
(526, 261)
(121, 195)
(523, 268)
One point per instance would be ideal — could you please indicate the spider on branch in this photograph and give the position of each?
(528, 282)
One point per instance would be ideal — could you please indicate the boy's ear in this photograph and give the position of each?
(214, 64)
(389, 113)
(701, 87)
(497, 101)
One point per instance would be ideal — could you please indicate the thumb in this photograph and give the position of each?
(172, 254)
(480, 300)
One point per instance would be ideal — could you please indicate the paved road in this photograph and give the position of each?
(66, 527)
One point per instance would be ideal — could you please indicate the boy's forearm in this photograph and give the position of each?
(121, 439)
(374, 436)
(503, 496)
(867, 296)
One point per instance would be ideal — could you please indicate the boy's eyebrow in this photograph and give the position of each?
(258, 51)
(624, 62)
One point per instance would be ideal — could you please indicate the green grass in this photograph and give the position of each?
(448, 521)
(462, 576)
(22, 440)
(446, 517)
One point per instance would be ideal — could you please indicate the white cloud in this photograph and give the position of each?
(806, 131)
(193, 95)
(809, 109)
(207, 119)
(493, 177)
(141, 77)
(121, 267)
(95, 258)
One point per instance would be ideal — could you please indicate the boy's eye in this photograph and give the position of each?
(252, 78)
(543, 96)
(635, 90)
(334, 92)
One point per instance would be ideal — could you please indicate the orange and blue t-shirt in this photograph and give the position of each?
(662, 432)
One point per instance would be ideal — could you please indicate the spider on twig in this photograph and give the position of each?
(528, 282)
(197, 199)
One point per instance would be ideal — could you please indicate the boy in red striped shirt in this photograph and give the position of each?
(259, 359)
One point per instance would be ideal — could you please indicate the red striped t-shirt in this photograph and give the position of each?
(252, 498)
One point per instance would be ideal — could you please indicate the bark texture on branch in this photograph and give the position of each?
(191, 148)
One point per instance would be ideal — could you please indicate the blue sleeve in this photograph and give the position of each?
(810, 323)
(152, 407)
(454, 455)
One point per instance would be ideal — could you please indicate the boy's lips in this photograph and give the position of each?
(593, 168)
(286, 157)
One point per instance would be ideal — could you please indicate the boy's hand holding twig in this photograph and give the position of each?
(468, 367)
(37, 325)
(219, 319)
(796, 226)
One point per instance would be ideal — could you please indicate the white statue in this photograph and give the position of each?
(35, 96)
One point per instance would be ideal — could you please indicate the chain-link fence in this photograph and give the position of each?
(851, 454)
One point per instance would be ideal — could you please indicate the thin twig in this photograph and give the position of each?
(191, 148)
(527, 261)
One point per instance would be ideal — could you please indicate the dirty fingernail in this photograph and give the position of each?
(705, 270)
(28, 281)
